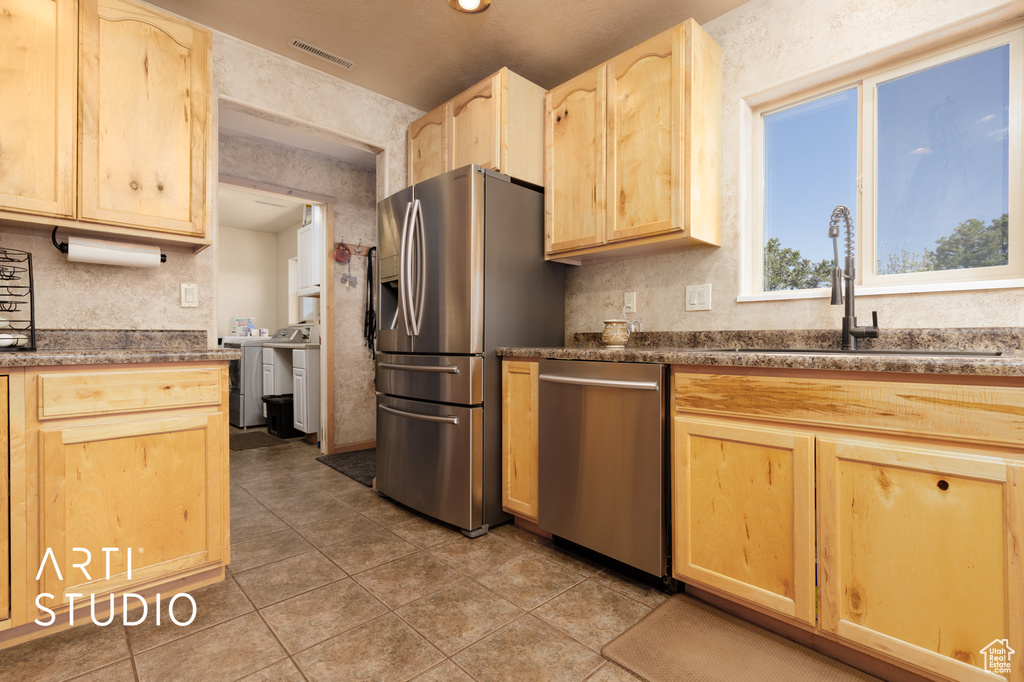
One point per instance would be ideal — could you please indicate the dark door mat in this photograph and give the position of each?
(360, 465)
(256, 439)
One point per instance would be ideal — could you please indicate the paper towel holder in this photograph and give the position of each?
(63, 246)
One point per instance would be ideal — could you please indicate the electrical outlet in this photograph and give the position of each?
(629, 302)
(189, 295)
(698, 297)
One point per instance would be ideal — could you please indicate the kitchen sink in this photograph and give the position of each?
(873, 351)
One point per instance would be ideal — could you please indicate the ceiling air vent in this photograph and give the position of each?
(322, 54)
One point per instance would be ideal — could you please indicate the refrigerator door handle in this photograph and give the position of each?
(403, 272)
(421, 266)
(446, 369)
(439, 419)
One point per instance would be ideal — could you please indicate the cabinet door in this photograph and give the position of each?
(268, 382)
(5, 507)
(145, 101)
(574, 163)
(151, 488)
(644, 144)
(38, 51)
(921, 552)
(475, 132)
(428, 145)
(300, 403)
(519, 427)
(743, 512)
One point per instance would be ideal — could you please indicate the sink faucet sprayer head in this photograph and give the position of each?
(833, 232)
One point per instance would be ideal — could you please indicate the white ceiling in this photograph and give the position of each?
(246, 209)
(422, 52)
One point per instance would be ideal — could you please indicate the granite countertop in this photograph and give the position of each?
(93, 347)
(710, 348)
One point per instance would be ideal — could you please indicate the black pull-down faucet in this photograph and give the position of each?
(851, 332)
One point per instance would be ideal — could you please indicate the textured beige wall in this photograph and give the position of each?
(267, 82)
(767, 44)
(247, 278)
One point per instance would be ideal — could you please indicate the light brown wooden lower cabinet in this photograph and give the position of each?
(152, 489)
(919, 517)
(921, 553)
(119, 485)
(744, 515)
(519, 426)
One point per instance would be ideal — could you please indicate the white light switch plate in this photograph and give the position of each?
(698, 297)
(189, 295)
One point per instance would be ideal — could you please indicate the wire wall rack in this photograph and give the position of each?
(17, 301)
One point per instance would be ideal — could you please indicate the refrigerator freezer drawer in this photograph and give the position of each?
(443, 379)
(429, 457)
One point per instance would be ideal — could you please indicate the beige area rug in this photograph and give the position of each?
(685, 639)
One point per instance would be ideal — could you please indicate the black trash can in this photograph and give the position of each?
(281, 416)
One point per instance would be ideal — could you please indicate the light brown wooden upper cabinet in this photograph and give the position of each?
(652, 116)
(39, 82)
(145, 99)
(109, 125)
(428, 144)
(497, 123)
(574, 191)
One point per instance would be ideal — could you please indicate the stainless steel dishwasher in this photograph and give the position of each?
(602, 459)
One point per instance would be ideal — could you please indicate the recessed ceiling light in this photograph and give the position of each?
(470, 6)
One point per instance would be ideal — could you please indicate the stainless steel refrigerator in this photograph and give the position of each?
(461, 271)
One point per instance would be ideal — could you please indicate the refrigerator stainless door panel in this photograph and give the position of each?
(438, 378)
(429, 458)
(440, 284)
(393, 216)
(601, 458)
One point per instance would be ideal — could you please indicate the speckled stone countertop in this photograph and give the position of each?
(101, 347)
(712, 348)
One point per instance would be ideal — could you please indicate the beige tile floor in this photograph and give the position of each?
(329, 581)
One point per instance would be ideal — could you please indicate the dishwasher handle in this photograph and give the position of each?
(603, 383)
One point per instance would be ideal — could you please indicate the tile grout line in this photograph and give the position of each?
(272, 634)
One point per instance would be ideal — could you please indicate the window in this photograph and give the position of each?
(926, 155)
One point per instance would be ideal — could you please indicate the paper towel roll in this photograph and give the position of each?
(85, 250)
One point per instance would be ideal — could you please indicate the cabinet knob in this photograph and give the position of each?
(133, 185)
(943, 484)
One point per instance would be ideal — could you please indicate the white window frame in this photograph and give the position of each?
(998, 277)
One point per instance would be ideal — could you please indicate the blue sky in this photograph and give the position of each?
(943, 157)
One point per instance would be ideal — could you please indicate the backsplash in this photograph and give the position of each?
(1004, 339)
(120, 339)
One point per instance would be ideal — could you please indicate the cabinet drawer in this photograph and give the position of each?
(76, 394)
(983, 414)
